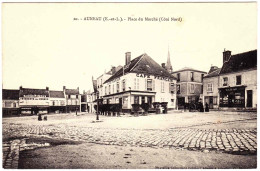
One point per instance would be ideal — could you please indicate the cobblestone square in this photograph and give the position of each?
(225, 132)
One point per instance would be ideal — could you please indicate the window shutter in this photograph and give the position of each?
(153, 85)
(145, 83)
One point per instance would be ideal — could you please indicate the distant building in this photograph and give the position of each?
(84, 102)
(33, 101)
(57, 102)
(189, 85)
(141, 80)
(10, 102)
(73, 100)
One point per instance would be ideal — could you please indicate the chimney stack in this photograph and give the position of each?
(21, 87)
(113, 70)
(127, 58)
(163, 65)
(78, 88)
(226, 55)
(212, 68)
(64, 87)
(47, 88)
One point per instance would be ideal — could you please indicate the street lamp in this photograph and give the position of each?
(97, 93)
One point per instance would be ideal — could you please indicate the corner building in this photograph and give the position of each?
(141, 80)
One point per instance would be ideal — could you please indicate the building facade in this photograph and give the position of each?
(33, 101)
(73, 100)
(238, 80)
(234, 86)
(10, 102)
(57, 102)
(189, 85)
(141, 80)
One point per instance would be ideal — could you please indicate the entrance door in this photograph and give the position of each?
(211, 102)
(149, 100)
(120, 100)
(249, 98)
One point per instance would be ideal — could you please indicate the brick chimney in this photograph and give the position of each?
(64, 87)
(21, 87)
(127, 57)
(226, 55)
(163, 65)
(47, 88)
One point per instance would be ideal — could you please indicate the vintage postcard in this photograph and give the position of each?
(127, 85)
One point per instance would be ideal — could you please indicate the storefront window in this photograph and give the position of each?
(136, 99)
(238, 80)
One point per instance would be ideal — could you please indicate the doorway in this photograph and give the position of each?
(249, 98)
(211, 102)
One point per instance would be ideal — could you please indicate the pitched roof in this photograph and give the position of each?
(213, 73)
(30, 91)
(71, 91)
(188, 69)
(57, 94)
(142, 64)
(10, 94)
(239, 62)
(116, 69)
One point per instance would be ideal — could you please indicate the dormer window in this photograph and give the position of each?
(238, 78)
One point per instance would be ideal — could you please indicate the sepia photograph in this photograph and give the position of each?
(129, 85)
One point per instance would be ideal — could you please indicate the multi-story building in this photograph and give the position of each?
(238, 80)
(210, 88)
(73, 100)
(10, 102)
(34, 101)
(235, 84)
(141, 80)
(189, 85)
(57, 102)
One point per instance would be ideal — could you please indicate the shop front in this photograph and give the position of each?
(232, 97)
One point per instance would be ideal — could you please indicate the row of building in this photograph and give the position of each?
(33, 101)
(142, 80)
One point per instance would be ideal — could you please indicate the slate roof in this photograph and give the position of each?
(57, 94)
(239, 62)
(29, 91)
(213, 73)
(71, 91)
(142, 64)
(188, 69)
(10, 94)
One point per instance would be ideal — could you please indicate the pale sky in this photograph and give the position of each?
(42, 45)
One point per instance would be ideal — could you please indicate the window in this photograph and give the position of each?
(113, 91)
(136, 84)
(117, 87)
(162, 87)
(210, 87)
(53, 103)
(178, 77)
(238, 80)
(171, 87)
(105, 90)
(76, 96)
(69, 96)
(178, 89)
(225, 81)
(123, 85)
(143, 99)
(215, 100)
(192, 88)
(172, 102)
(149, 84)
(136, 99)
(14, 104)
(192, 76)
(109, 89)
